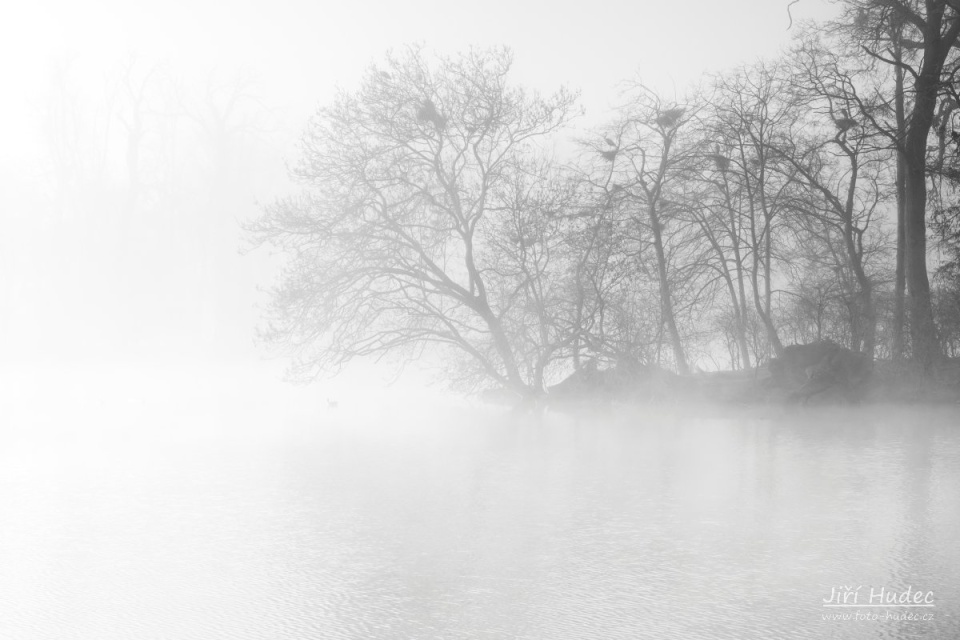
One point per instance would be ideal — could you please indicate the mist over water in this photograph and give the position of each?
(160, 480)
(217, 515)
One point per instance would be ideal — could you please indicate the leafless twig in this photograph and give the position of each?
(790, 14)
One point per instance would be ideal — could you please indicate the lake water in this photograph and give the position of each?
(241, 517)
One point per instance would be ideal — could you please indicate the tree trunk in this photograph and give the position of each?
(922, 329)
(742, 316)
(899, 286)
(502, 345)
(666, 304)
(739, 304)
(763, 306)
(742, 339)
(738, 316)
(900, 282)
(865, 336)
(738, 260)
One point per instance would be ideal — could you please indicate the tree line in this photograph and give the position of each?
(785, 201)
(124, 237)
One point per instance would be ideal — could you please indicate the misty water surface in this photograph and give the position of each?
(166, 514)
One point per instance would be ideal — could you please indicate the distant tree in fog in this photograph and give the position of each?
(428, 216)
(145, 176)
(230, 126)
(748, 113)
(843, 171)
(640, 168)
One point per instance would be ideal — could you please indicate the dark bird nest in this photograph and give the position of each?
(428, 113)
(843, 124)
(722, 162)
(669, 117)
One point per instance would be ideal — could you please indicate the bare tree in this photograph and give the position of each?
(649, 156)
(930, 31)
(716, 212)
(614, 276)
(749, 113)
(134, 89)
(416, 185)
(842, 165)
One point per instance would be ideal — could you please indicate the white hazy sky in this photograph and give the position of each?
(302, 50)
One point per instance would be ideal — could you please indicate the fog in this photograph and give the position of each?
(219, 515)
(171, 468)
(111, 260)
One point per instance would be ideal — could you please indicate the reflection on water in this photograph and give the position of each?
(236, 521)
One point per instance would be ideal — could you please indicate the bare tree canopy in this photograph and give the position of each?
(747, 214)
(422, 220)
